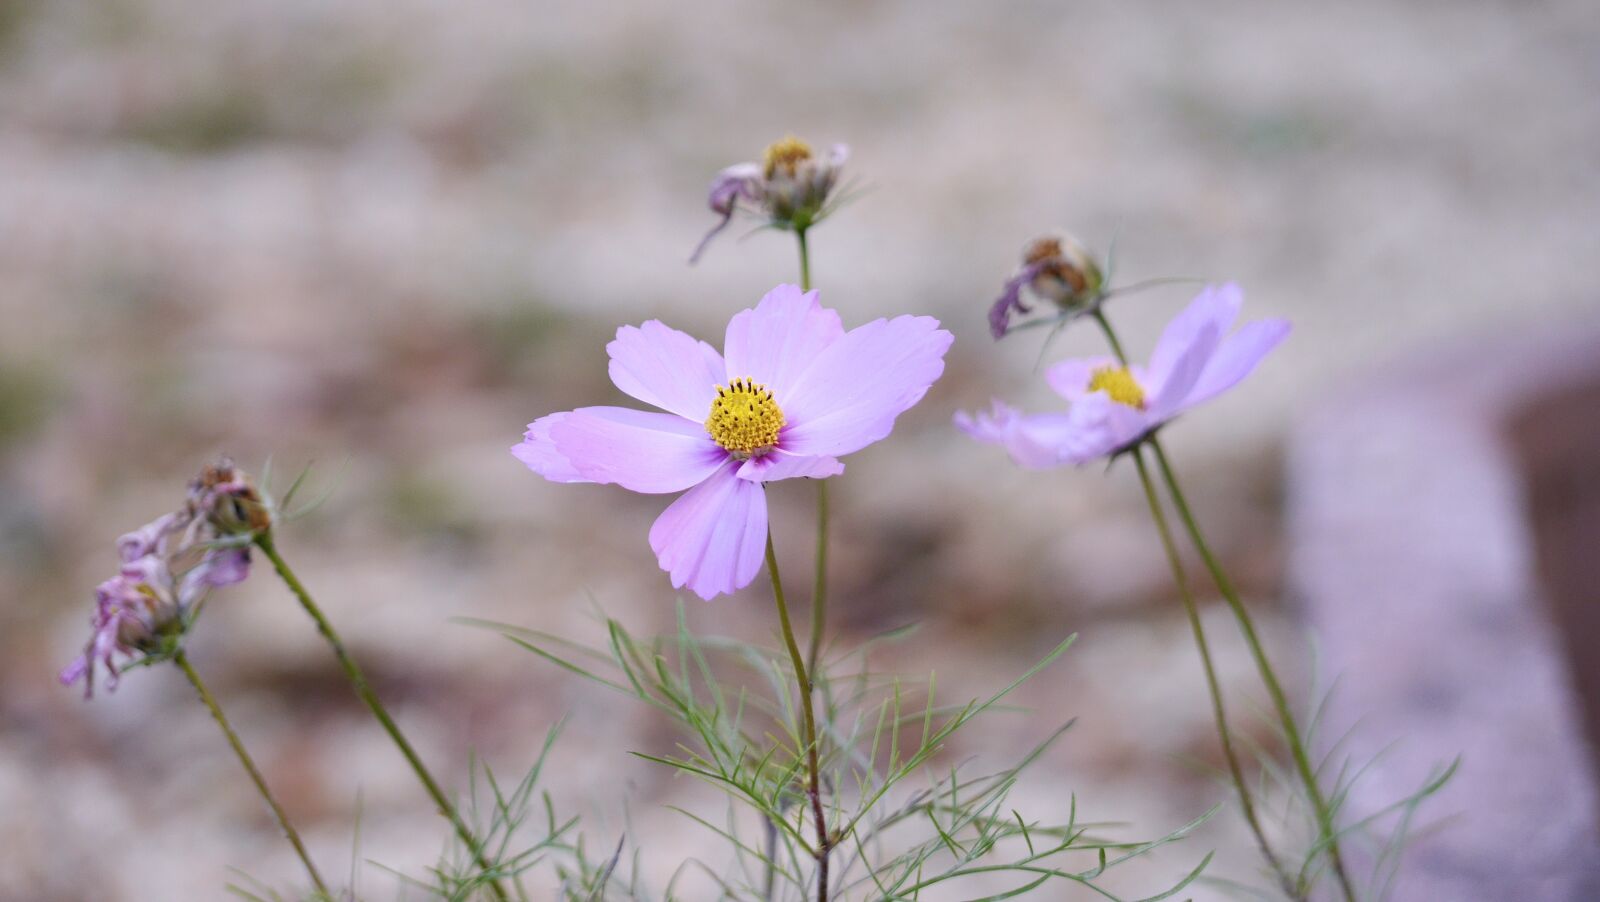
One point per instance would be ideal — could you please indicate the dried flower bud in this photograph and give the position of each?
(789, 187)
(796, 182)
(226, 497)
(1055, 268)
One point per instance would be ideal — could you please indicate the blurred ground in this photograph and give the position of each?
(385, 236)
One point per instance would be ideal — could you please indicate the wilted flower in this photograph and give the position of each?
(1113, 407)
(791, 392)
(168, 566)
(226, 497)
(789, 187)
(1055, 268)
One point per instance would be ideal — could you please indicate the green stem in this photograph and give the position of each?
(819, 585)
(358, 681)
(181, 659)
(805, 260)
(809, 725)
(1218, 710)
(1280, 700)
(1111, 335)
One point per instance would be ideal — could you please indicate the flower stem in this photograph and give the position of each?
(181, 659)
(358, 681)
(809, 725)
(1218, 710)
(1280, 701)
(1326, 827)
(1111, 335)
(805, 260)
(819, 586)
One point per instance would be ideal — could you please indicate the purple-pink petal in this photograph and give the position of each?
(1237, 357)
(664, 367)
(727, 189)
(780, 464)
(144, 540)
(641, 451)
(1099, 426)
(1170, 391)
(774, 342)
(1010, 300)
(1032, 441)
(851, 393)
(1216, 306)
(712, 539)
(538, 450)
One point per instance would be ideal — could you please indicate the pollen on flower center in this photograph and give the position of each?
(1118, 383)
(786, 155)
(744, 419)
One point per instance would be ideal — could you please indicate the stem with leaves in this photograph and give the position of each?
(181, 659)
(358, 681)
(1328, 830)
(1280, 701)
(1218, 709)
(808, 726)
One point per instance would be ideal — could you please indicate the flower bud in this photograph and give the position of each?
(796, 182)
(226, 497)
(790, 187)
(1066, 272)
(1055, 268)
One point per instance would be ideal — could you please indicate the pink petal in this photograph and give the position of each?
(1095, 427)
(1098, 427)
(638, 450)
(1184, 373)
(1034, 442)
(774, 342)
(1237, 356)
(667, 368)
(851, 393)
(781, 464)
(712, 539)
(1217, 306)
(538, 451)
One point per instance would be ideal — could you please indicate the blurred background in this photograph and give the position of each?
(382, 237)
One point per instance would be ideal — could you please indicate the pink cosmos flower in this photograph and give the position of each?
(790, 394)
(1113, 407)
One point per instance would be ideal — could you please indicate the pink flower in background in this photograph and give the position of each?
(790, 394)
(1112, 406)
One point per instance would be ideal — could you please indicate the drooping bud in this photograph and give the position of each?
(226, 497)
(1055, 268)
(1067, 273)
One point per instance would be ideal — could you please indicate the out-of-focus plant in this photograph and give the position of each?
(1117, 409)
(144, 615)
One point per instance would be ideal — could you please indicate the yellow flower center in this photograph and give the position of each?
(1118, 383)
(787, 155)
(744, 419)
